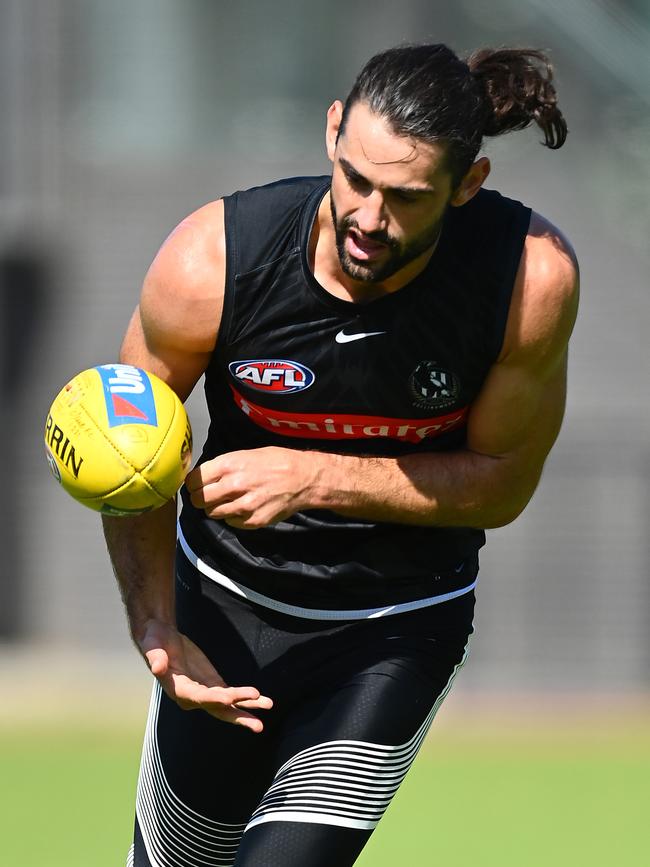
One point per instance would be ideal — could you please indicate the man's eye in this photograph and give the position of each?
(406, 197)
(356, 181)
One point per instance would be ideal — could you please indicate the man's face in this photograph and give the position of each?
(388, 197)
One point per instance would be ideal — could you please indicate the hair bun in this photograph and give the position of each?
(517, 85)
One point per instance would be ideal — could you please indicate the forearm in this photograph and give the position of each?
(142, 554)
(485, 486)
(452, 489)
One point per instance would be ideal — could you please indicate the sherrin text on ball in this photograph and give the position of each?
(118, 439)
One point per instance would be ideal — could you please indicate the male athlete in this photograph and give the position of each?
(385, 361)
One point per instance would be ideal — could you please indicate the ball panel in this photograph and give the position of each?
(85, 459)
(118, 439)
(134, 498)
(167, 469)
(133, 408)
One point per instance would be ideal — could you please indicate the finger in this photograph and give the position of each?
(238, 695)
(239, 523)
(249, 522)
(237, 717)
(212, 494)
(202, 475)
(240, 509)
(220, 703)
(232, 510)
(252, 723)
(192, 696)
(158, 661)
(263, 703)
(247, 513)
(189, 690)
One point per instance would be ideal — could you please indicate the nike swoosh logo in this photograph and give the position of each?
(341, 337)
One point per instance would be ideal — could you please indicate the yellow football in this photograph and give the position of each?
(118, 439)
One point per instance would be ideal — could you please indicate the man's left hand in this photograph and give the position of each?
(255, 487)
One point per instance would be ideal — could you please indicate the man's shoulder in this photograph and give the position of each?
(550, 260)
(545, 298)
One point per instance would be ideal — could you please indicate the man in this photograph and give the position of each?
(385, 360)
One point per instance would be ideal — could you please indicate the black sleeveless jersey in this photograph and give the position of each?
(297, 367)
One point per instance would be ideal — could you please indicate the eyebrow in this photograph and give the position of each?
(350, 170)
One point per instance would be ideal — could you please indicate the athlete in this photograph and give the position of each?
(385, 370)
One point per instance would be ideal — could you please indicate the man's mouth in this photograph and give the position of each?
(360, 246)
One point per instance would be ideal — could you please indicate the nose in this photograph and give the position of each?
(371, 213)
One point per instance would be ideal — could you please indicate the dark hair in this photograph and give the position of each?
(427, 92)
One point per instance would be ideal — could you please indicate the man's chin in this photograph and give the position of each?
(362, 272)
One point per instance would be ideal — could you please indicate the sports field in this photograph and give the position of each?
(511, 795)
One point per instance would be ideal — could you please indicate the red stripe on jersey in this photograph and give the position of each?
(341, 426)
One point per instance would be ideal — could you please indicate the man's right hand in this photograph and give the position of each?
(189, 678)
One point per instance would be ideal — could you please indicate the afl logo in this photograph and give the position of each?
(277, 376)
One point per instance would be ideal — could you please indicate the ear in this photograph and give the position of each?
(334, 115)
(471, 183)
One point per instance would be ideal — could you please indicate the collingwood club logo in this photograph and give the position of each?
(432, 387)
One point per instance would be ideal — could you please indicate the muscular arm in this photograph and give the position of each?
(171, 334)
(512, 427)
(471, 487)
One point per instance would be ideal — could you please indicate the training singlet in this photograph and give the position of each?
(295, 366)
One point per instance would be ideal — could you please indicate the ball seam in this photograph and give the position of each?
(110, 442)
(177, 402)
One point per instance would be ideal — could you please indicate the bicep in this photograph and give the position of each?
(519, 410)
(145, 347)
(173, 330)
(518, 415)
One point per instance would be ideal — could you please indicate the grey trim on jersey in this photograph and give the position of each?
(313, 613)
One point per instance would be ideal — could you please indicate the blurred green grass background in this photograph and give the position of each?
(484, 791)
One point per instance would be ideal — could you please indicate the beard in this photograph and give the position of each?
(399, 254)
